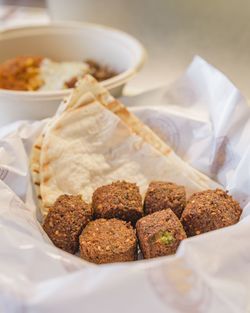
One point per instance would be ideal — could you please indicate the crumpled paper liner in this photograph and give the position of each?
(207, 122)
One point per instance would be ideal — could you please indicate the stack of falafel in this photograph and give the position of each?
(108, 230)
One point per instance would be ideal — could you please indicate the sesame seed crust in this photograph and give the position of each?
(153, 229)
(120, 200)
(108, 241)
(165, 195)
(210, 210)
(65, 221)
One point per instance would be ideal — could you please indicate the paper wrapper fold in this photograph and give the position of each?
(206, 121)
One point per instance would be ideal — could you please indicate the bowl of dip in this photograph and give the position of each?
(40, 64)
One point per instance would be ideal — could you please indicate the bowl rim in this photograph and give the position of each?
(110, 83)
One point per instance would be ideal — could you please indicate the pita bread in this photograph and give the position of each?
(89, 84)
(35, 167)
(94, 140)
(37, 147)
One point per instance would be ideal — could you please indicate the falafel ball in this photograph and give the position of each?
(108, 241)
(120, 200)
(159, 233)
(66, 220)
(209, 210)
(165, 195)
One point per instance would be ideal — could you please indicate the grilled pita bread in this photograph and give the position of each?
(94, 140)
(37, 147)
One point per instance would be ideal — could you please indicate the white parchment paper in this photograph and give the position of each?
(204, 118)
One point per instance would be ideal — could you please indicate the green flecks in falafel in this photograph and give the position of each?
(166, 238)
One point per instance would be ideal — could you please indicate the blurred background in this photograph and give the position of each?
(173, 31)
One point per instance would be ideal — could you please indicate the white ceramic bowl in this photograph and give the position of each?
(67, 41)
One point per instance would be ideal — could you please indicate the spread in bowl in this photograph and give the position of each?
(34, 73)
